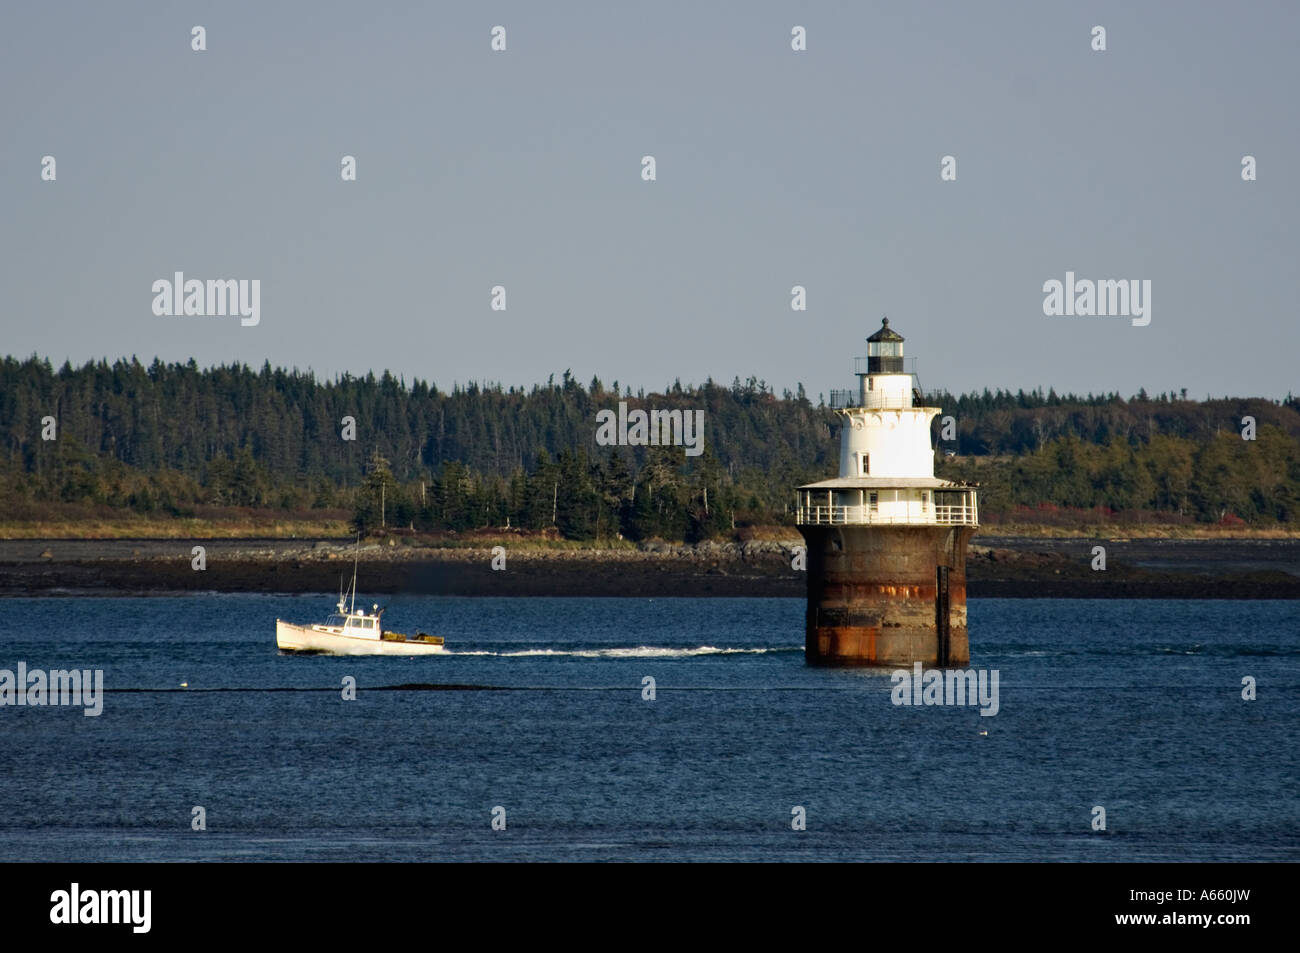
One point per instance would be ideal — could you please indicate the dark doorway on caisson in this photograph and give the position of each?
(942, 617)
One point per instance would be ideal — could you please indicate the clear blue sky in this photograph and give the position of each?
(775, 168)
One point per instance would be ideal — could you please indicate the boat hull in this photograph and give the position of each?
(305, 639)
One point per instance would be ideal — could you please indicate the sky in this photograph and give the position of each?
(774, 168)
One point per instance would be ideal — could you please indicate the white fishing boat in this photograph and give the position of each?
(348, 632)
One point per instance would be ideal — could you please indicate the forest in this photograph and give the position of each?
(167, 439)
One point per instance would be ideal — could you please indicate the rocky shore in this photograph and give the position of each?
(1008, 567)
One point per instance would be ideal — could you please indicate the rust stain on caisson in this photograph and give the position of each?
(870, 620)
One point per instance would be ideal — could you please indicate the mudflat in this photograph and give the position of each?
(1019, 567)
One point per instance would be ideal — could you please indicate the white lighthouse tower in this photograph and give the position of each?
(886, 538)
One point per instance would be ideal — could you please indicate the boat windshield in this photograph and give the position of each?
(335, 621)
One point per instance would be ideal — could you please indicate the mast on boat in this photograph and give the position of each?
(356, 555)
(342, 598)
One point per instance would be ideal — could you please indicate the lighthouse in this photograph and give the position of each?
(886, 539)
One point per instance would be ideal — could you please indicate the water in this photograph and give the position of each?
(1132, 705)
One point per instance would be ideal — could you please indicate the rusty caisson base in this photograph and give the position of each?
(887, 595)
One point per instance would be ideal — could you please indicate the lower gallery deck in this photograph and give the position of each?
(921, 501)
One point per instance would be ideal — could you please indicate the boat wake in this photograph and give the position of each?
(641, 651)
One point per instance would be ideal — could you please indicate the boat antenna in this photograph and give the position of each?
(356, 555)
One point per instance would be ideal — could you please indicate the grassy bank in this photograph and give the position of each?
(335, 525)
(1143, 531)
(233, 523)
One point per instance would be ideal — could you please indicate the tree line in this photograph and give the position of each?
(166, 438)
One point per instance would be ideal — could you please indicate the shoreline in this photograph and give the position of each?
(1008, 567)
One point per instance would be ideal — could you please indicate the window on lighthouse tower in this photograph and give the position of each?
(866, 464)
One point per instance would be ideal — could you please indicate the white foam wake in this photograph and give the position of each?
(642, 651)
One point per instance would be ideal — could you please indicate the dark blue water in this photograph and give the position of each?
(1131, 705)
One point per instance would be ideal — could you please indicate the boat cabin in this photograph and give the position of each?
(355, 625)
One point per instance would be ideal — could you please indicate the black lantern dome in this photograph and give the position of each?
(885, 351)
